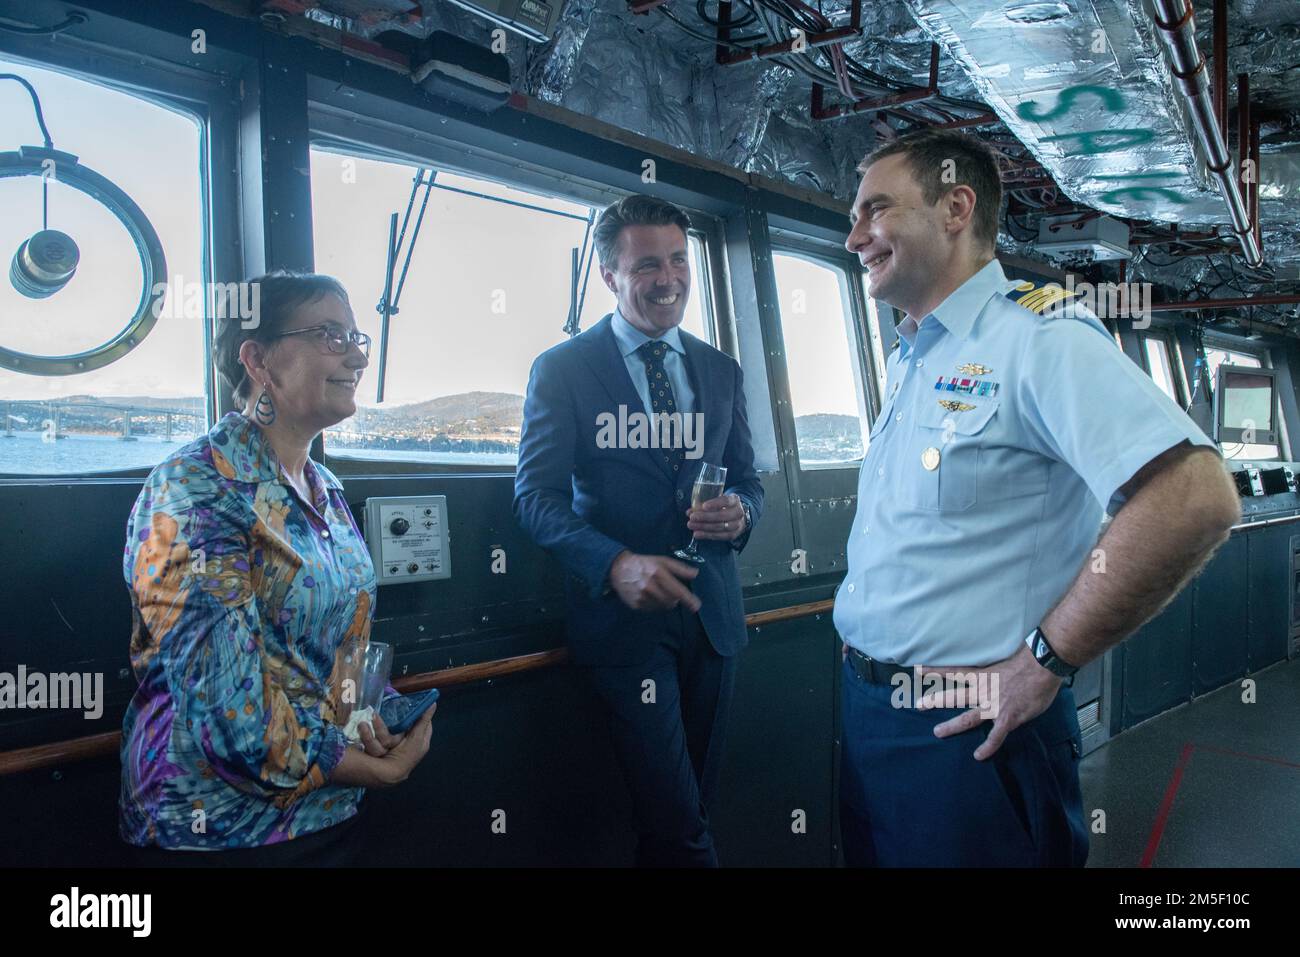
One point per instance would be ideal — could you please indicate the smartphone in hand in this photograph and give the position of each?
(401, 713)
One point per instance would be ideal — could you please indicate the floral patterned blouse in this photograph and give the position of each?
(247, 601)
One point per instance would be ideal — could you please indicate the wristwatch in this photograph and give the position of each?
(1045, 656)
(749, 523)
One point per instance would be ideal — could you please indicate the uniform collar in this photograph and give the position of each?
(959, 311)
(630, 338)
(250, 456)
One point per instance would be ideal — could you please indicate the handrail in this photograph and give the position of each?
(1265, 523)
(465, 674)
(789, 612)
(91, 746)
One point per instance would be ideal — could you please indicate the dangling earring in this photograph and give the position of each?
(264, 410)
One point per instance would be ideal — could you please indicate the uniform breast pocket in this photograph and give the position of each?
(947, 450)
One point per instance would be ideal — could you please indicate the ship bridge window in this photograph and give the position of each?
(489, 287)
(824, 361)
(1216, 356)
(879, 351)
(1160, 366)
(87, 383)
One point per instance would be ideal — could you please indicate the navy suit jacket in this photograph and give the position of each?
(585, 503)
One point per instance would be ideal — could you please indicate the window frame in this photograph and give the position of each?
(1171, 357)
(212, 101)
(865, 375)
(388, 142)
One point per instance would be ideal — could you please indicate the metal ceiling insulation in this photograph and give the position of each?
(648, 75)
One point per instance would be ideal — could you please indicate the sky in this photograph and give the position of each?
(816, 335)
(487, 291)
(488, 286)
(152, 154)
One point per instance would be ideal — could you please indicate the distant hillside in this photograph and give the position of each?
(828, 437)
(467, 421)
(464, 412)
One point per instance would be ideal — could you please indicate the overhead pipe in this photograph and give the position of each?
(1254, 181)
(1220, 85)
(1243, 134)
(1239, 303)
(1174, 20)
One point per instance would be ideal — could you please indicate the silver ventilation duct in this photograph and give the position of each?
(1086, 87)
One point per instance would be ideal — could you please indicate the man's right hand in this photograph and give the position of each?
(652, 582)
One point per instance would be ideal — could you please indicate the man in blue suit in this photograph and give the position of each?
(617, 422)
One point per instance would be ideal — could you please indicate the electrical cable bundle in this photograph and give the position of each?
(829, 65)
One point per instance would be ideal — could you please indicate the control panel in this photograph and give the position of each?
(1267, 489)
(408, 538)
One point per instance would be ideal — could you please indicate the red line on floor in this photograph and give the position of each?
(1158, 828)
(1253, 757)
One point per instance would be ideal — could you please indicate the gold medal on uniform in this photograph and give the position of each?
(930, 459)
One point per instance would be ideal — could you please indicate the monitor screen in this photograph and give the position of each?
(1247, 398)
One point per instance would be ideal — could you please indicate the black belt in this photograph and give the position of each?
(876, 672)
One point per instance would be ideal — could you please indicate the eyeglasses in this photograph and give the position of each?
(335, 339)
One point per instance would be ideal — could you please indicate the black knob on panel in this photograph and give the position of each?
(399, 526)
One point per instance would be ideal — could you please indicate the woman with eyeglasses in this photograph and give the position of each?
(253, 592)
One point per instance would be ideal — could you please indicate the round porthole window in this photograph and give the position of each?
(44, 263)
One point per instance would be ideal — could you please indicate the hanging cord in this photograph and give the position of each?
(45, 133)
(1200, 366)
(36, 105)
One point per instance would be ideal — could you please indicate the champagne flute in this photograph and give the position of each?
(708, 485)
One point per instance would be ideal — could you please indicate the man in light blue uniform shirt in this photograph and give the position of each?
(1010, 423)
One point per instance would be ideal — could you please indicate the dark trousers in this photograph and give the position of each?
(909, 799)
(668, 739)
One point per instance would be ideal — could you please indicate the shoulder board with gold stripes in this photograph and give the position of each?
(1039, 298)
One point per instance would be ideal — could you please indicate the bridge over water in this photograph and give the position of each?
(52, 414)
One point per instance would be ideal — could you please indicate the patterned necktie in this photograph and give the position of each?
(661, 395)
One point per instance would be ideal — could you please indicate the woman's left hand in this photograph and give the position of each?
(378, 741)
